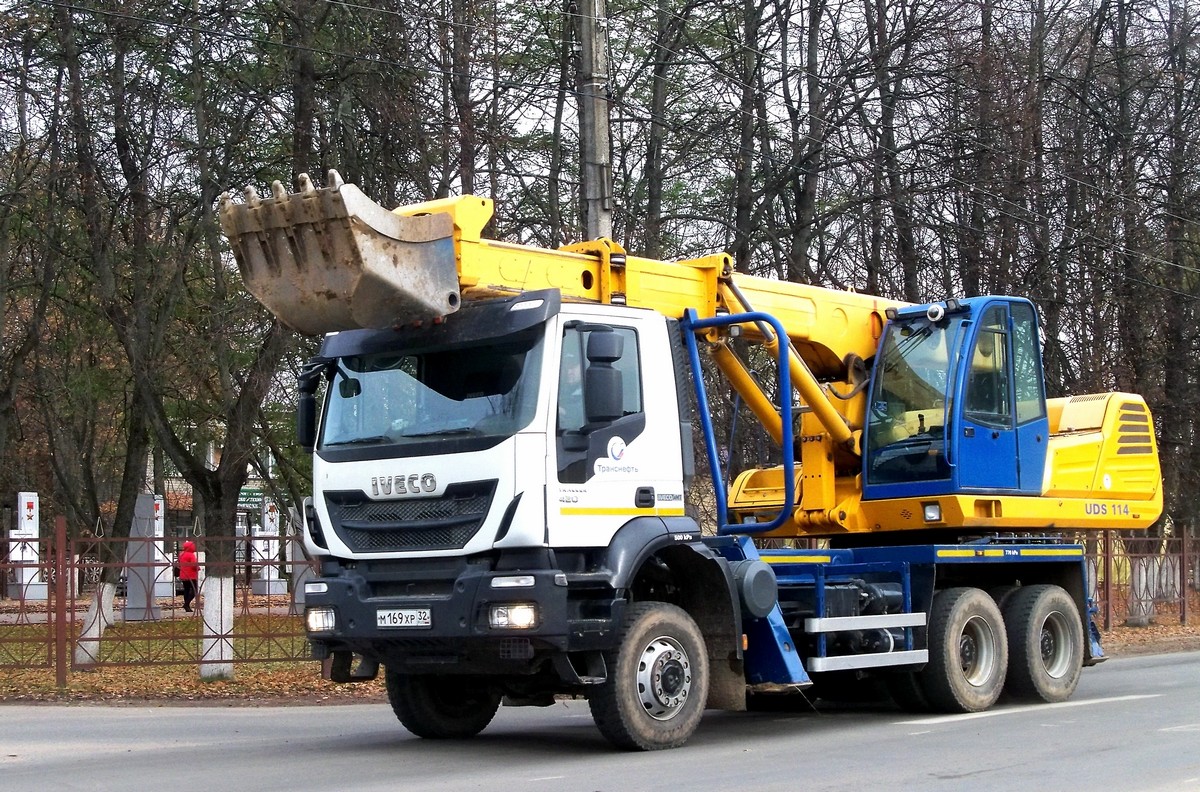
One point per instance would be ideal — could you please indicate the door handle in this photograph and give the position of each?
(644, 498)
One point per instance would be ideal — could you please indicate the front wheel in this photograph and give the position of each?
(968, 651)
(441, 707)
(657, 680)
(1045, 639)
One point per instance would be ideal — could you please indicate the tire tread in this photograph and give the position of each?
(627, 731)
(1027, 678)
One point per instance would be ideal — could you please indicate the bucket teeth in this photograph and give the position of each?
(332, 259)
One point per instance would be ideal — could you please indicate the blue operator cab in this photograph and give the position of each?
(957, 401)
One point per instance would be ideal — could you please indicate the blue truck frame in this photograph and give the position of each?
(771, 654)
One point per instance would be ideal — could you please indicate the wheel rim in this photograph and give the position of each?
(664, 678)
(977, 651)
(1054, 643)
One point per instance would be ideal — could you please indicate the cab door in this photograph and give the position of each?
(986, 453)
(617, 449)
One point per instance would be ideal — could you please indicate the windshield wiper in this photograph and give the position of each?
(372, 440)
(462, 430)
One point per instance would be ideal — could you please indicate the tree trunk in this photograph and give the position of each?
(743, 208)
(462, 26)
(216, 610)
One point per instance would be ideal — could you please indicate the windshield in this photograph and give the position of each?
(907, 416)
(392, 399)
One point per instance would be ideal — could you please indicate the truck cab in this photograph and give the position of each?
(488, 488)
(511, 424)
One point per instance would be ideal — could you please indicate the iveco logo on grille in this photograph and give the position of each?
(403, 485)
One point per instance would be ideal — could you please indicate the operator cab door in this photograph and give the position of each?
(1002, 433)
(987, 440)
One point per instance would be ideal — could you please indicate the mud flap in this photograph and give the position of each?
(340, 668)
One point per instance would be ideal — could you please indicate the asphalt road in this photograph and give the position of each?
(1134, 724)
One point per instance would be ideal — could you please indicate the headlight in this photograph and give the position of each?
(316, 587)
(513, 616)
(320, 619)
(933, 512)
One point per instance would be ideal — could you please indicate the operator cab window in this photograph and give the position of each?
(583, 438)
(1027, 368)
(906, 420)
(989, 383)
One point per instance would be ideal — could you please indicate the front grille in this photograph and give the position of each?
(380, 526)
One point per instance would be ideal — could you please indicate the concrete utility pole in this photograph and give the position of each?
(595, 136)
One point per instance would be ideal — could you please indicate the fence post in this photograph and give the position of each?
(60, 601)
(1108, 609)
(1183, 577)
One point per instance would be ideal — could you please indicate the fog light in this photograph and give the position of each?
(513, 581)
(320, 619)
(316, 587)
(933, 512)
(513, 616)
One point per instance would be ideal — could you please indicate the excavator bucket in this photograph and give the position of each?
(330, 259)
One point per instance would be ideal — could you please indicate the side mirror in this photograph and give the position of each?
(306, 408)
(306, 421)
(603, 390)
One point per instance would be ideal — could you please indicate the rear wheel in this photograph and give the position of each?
(441, 707)
(1045, 639)
(657, 680)
(968, 651)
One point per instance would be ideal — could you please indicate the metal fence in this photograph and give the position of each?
(47, 605)
(1137, 580)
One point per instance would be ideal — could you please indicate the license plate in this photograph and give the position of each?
(389, 618)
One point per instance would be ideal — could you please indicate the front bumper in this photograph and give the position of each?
(457, 597)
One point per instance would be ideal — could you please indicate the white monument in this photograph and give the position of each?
(265, 548)
(148, 572)
(164, 579)
(24, 552)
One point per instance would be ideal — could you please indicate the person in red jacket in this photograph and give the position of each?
(189, 573)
